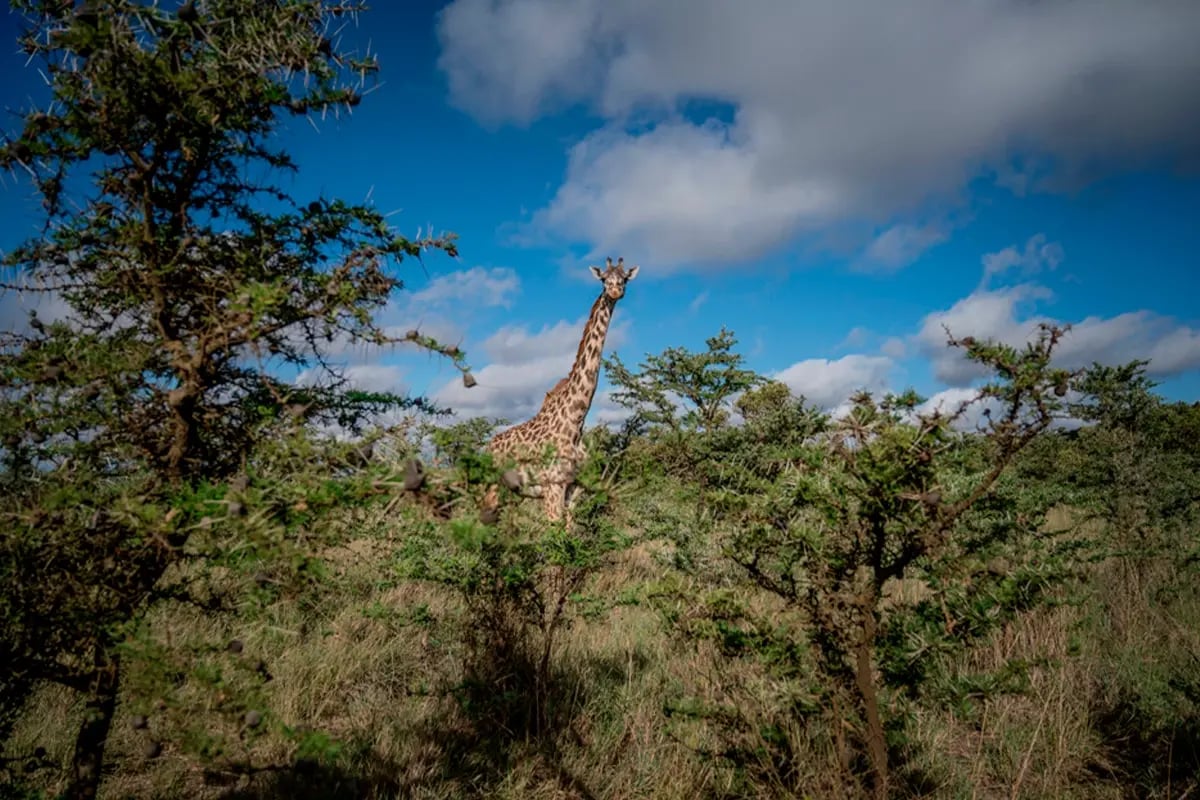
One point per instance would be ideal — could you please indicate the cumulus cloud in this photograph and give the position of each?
(973, 410)
(435, 309)
(848, 109)
(894, 347)
(376, 377)
(480, 36)
(514, 345)
(510, 392)
(959, 398)
(827, 384)
(438, 308)
(607, 412)
(1007, 315)
(899, 246)
(984, 314)
(368, 377)
(523, 366)
(1037, 255)
(677, 192)
(857, 337)
(1170, 346)
(478, 287)
(1176, 350)
(15, 307)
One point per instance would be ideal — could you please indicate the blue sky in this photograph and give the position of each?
(830, 180)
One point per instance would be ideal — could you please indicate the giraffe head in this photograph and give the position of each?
(614, 277)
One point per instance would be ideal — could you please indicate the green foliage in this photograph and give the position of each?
(1136, 471)
(889, 546)
(134, 427)
(1115, 397)
(518, 582)
(704, 382)
(830, 516)
(776, 431)
(166, 498)
(511, 656)
(455, 442)
(1136, 466)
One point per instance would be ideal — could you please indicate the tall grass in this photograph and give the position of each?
(366, 694)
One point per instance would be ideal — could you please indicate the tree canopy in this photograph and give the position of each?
(192, 283)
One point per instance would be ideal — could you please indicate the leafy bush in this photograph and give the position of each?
(133, 427)
(828, 520)
(517, 581)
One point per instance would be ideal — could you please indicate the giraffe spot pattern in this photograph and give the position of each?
(559, 422)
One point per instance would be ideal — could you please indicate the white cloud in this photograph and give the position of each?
(1171, 347)
(894, 347)
(477, 287)
(514, 345)
(606, 412)
(368, 377)
(513, 392)
(984, 314)
(523, 366)
(1037, 255)
(436, 310)
(950, 401)
(16, 305)
(827, 384)
(975, 409)
(675, 193)
(857, 337)
(376, 377)
(847, 109)
(439, 309)
(900, 245)
(1177, 350)
(698, 301)
(480, 36)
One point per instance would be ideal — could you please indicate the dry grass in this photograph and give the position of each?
(1037, 744)
(1056, 740)
(374, 663)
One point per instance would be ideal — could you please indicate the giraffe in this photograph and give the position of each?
(559, 422)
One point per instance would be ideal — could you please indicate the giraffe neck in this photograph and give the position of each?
(585, 374)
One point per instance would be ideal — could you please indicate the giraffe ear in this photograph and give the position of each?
(596, 271)
(633, 271)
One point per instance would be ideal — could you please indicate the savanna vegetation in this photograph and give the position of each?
(207, 593)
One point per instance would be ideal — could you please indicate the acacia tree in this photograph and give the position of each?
(705, 382)
(188, 285)
(850, 507)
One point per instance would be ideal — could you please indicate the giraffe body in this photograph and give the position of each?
(548, 448)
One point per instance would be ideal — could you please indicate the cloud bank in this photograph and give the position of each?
(859, 112)
(1008, 314)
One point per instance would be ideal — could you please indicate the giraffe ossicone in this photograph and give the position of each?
(548, 448)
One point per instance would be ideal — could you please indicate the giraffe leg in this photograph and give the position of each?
(554, 501)
(574, 492)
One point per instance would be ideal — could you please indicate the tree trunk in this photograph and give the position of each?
(93, 733)
(864, 677)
